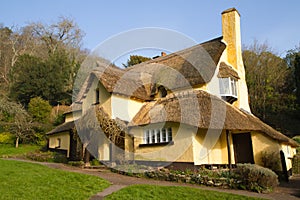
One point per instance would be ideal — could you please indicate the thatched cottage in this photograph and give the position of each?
(189, 108)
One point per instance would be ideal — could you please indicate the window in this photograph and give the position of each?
(228, 89)
(97, 96)
(158, 136)
(162, 92)
(58, 143)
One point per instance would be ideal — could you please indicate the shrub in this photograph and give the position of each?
(76, 163)
(271, 160)
(39, 109)
(7, 138)
(256, 178)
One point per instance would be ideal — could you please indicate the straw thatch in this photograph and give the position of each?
(96, 120)
(67, 126)
(186, 68)
(226, 71)
(205, 111)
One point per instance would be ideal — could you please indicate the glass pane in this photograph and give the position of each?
(169, 134)
(153, 136)
(164, 137)
(158, 136)
(147, 137)
(224, 86)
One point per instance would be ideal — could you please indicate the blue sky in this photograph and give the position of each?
(277, 21)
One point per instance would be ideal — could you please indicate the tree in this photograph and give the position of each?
(51, 80)
(63, 34)
(266, 76)
(20, 123)
(297, 77)
(39, 109)
(134, 60)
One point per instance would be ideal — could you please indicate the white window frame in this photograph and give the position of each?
(156, 136)
(228, 87)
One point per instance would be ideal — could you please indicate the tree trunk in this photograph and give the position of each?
(17, 142)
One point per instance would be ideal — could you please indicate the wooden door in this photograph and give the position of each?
(243, 151)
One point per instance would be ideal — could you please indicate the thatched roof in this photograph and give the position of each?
(205, 111)
(62, 128)
(226, 71)
(73, 108)
(192, 66)
(189, 67)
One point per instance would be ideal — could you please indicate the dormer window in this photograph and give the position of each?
(228, 89)
(162, 92)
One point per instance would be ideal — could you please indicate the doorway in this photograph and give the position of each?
(243, 151)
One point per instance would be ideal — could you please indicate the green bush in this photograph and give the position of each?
(76, 163)
(7, 138)
(256, 178)
(271, 160)
(39, 109)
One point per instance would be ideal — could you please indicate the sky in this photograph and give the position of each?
(276, 22)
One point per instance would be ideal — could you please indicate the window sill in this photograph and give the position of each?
(157, 144)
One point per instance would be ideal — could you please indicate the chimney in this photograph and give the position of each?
(231, 32)
(163, 53)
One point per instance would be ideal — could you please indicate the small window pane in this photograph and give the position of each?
(147, 137)
(164, 136)
(224, 86)
(169, 134)
(153, 136)
(158, 136)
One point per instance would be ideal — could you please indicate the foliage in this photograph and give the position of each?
(76, 163)
(39, 109)
(7, 138)
(268, 78)
(49, 79)
(271, 160)
(170, 192)
(256, 178)
(21, 125)
(21, 180)
(46, 156)
(297, 139)
(134, 60)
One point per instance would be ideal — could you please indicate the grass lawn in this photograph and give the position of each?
(19, 180)
(10, 150)
(170, 192)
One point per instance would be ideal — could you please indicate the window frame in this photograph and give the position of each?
(156, 136)
(228, 87)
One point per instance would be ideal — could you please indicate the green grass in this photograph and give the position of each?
(21, 180)
(170, 192)
(10, 150)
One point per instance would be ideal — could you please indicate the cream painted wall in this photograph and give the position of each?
(64, 141)
(72, 116)
(180, 151)
(124, 108)
(90, 99)
(289, 154)
(262, 143)
(209, 149)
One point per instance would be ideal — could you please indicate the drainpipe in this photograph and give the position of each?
(228, 149)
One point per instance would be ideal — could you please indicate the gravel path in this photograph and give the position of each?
(285, 191)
